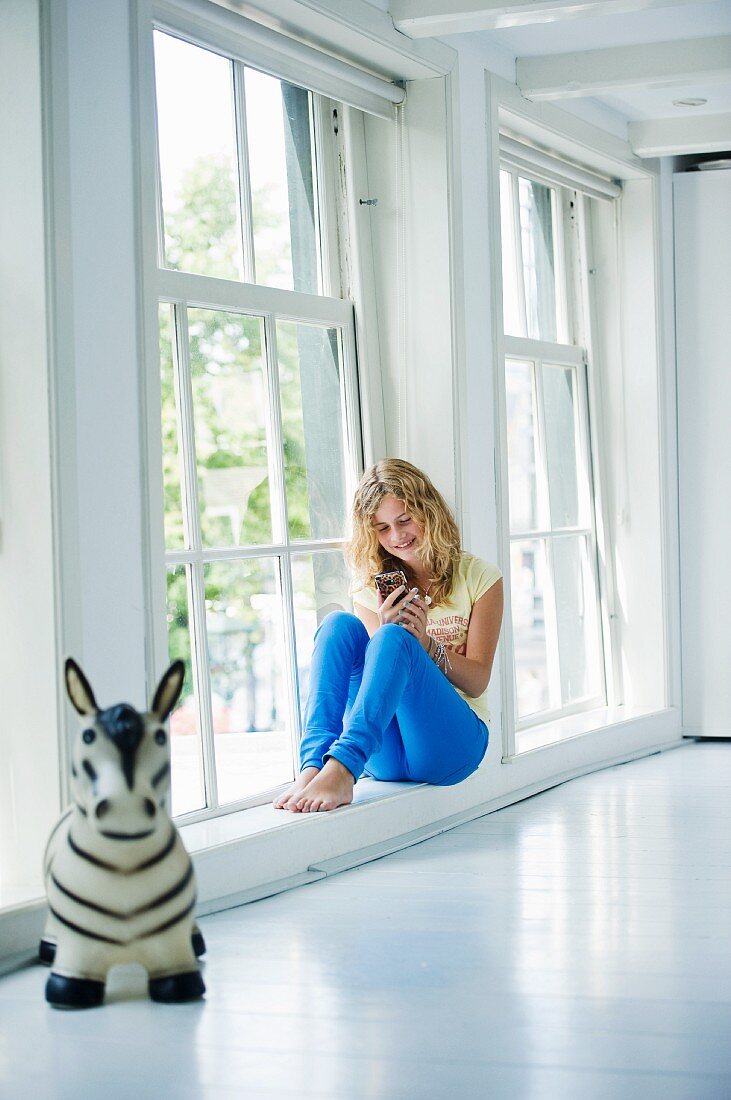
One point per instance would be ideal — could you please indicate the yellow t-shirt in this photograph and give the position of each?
(448, 622)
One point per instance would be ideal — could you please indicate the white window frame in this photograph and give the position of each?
(574, 319)
(183, 289)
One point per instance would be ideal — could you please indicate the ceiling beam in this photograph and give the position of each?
(430, 18)
(664, 137)
(656, 64)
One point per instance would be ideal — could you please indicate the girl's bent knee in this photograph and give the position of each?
(341, 622)
(391, 634)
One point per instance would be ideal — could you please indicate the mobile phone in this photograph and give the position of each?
(388, 582)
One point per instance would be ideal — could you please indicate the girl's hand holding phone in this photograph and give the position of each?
(389, 607)
(412, 616)
(396, 605)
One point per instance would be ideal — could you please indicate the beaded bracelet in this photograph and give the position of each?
(439, 656)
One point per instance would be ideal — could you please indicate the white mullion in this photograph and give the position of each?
(550, 618)
(576, 318)
(544, 495)
(278, 503)
(591, 614)
(246, 213)
(563, 355)
(318, 193)
(325, 154)
(590, 542)
(543, 717)
(547, 533)
(542, 486)
(290, 657)
(563, 326)
(186, 426)
(160, 227)
(274, 435)
(192, 526)
(518, 232)
(608, 621)
(208, 292)
(581, 431)
(350, 407)
(201, 674)
(266, 550)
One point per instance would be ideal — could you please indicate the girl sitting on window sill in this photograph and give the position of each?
(398, 689)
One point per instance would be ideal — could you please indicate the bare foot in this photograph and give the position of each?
(298, 786)
(332, 787)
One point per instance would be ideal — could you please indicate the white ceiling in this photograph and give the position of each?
(569, 35)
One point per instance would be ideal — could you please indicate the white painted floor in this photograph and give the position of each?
(575, 945)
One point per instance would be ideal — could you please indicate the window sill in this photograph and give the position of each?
(215, 832)
(577, 725)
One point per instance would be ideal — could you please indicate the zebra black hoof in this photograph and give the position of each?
(177, 988)
(199, 944)
(46, 952)
(64, 992)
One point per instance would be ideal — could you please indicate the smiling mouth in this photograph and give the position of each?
(405, 545)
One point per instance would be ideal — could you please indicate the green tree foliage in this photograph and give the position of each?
(201, 233)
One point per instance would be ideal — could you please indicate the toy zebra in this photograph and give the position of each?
(120, 884)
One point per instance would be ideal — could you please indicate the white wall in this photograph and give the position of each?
(703, 297)
(29, 783)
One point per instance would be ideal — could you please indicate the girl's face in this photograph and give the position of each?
(398, 533)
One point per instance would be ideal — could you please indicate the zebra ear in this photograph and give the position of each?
(168, 691)
(79, 689)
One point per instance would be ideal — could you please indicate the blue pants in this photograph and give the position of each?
(382, 706)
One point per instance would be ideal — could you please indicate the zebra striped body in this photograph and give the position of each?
(119, 882)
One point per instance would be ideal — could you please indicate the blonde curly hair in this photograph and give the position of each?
(440, 549)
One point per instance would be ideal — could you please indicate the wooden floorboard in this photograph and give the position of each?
(574, 945)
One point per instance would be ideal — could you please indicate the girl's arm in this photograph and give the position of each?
(471, 672)
(470, 668)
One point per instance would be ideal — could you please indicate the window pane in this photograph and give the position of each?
(282, 183)
(528, 571)
(249, 692)
(312, 426)
(562, 444)
(229, 402)
(513, 319)
(321, 584)
(174, 537)
(576, 617)
(185, 730)
(198, 163)
(537, 242)
(521, 446)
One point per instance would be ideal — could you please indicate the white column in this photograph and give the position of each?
(99, 412)
(703, 334)
(29, 787)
